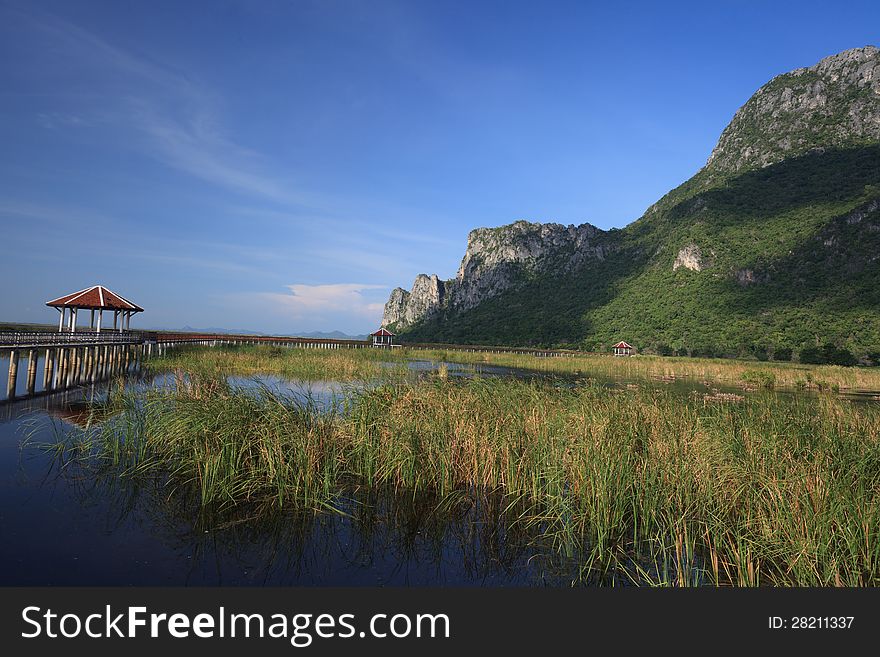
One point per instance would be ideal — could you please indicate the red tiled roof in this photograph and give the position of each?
(382, 332)
(96, 297)
(622, 345)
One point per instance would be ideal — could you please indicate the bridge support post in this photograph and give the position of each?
(13, 374)
(67, 366)
(32, 371)
(78, 367)
(69, 362)
(74, 365)
(90, 364)
(87, 364)
(59, 368)
(47, 369)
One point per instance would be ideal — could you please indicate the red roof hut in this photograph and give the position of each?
(382, 338)
(94, 298)
(623, 349)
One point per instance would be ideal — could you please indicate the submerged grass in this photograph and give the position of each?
(785, 374)
(361, 364)
(302, 364)
(637, 485)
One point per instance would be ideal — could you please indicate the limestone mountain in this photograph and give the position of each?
(834, 104)
(773, 246)
(497, 260)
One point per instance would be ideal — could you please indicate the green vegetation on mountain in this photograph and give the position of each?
(771, 250)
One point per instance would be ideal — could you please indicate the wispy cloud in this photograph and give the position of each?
(194, 145)
(350, 307)
(310, 300)
(174, 116)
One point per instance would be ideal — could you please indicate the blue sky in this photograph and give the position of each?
(281, 166)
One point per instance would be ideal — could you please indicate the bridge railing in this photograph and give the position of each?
(9, 339)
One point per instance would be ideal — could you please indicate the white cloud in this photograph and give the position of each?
(306, 300)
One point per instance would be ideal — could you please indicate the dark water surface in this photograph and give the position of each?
(63, 526)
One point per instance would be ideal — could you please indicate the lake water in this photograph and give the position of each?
(61, 526)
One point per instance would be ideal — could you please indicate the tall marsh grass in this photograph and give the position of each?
(302, 364)
(360, 364)
(638, 484)
(785, 374)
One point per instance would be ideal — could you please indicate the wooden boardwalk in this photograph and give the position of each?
(69, 359)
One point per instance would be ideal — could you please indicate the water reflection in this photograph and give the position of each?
(366, 537)
(67, 523)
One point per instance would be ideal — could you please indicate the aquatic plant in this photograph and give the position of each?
(639, 484)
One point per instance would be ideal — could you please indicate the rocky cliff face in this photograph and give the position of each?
(833, 104)
(691, 257)
(774, 242)
(497, 260)
(406, 308)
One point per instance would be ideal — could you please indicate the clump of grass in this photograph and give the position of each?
(230, 445)
(761, 378)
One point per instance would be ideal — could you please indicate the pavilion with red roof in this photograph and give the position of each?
(382, 338)
(623, 349)
(95, 298)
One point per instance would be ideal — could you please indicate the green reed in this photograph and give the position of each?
(302, 364)
(640, 485)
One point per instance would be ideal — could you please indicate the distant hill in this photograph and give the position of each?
(211, 329)
(331, 335)
(773, 248)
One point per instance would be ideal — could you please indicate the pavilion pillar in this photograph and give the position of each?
(61, 319)
(128, 321)
(73, 320)
(100, 316)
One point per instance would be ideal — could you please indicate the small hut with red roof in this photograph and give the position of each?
(96, 298)
(382, 338)
(623, 349)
